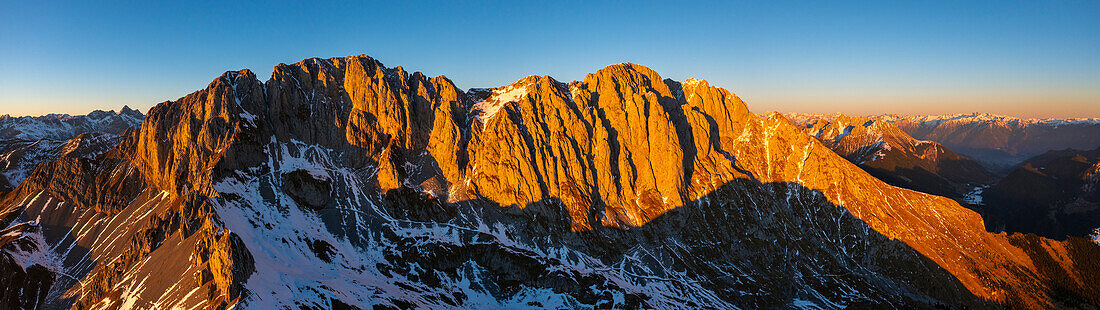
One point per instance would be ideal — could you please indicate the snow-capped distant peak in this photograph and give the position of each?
(987, 118)
(64, 126)
(691, 82)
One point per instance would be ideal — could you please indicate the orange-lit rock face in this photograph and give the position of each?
(179, 143)
(629, 147)
(619, 148)
(608, 142)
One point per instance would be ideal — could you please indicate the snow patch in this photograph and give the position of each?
(489, 107)
(974, 197)
(37, 255)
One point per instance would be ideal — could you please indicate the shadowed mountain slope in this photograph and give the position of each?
(1052, 195)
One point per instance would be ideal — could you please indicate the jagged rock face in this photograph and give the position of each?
(26, 142)
(343, 183)
(179, 143)
(1052, 195)
(611, 146)
(887, 152)
(379, 115)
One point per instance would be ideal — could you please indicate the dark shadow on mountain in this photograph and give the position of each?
(997, 161)
(746, 244)
(1053, 195)
(675, 112)
(917, 179)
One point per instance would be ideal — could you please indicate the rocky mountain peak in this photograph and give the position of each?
(128, 111)
(621, 81)
(616, 148)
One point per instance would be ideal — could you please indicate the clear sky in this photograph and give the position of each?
(1030, 59)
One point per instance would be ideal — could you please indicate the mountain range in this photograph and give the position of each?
(997, 142)
(1000, 142)
(27, 141)
(890, 154)
(1021, 198)
(341, 183)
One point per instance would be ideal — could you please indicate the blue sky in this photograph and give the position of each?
(1032, 59)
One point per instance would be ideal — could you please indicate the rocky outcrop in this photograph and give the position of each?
(224, 262)
(341, 182)
(181, 142)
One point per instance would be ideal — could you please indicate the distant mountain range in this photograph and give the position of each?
(998, 142)
(27, 141)
(1052, 194)
(890, 154)
(341, 183)
(65, 126)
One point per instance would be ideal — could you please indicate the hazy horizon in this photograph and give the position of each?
(1028, 60)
